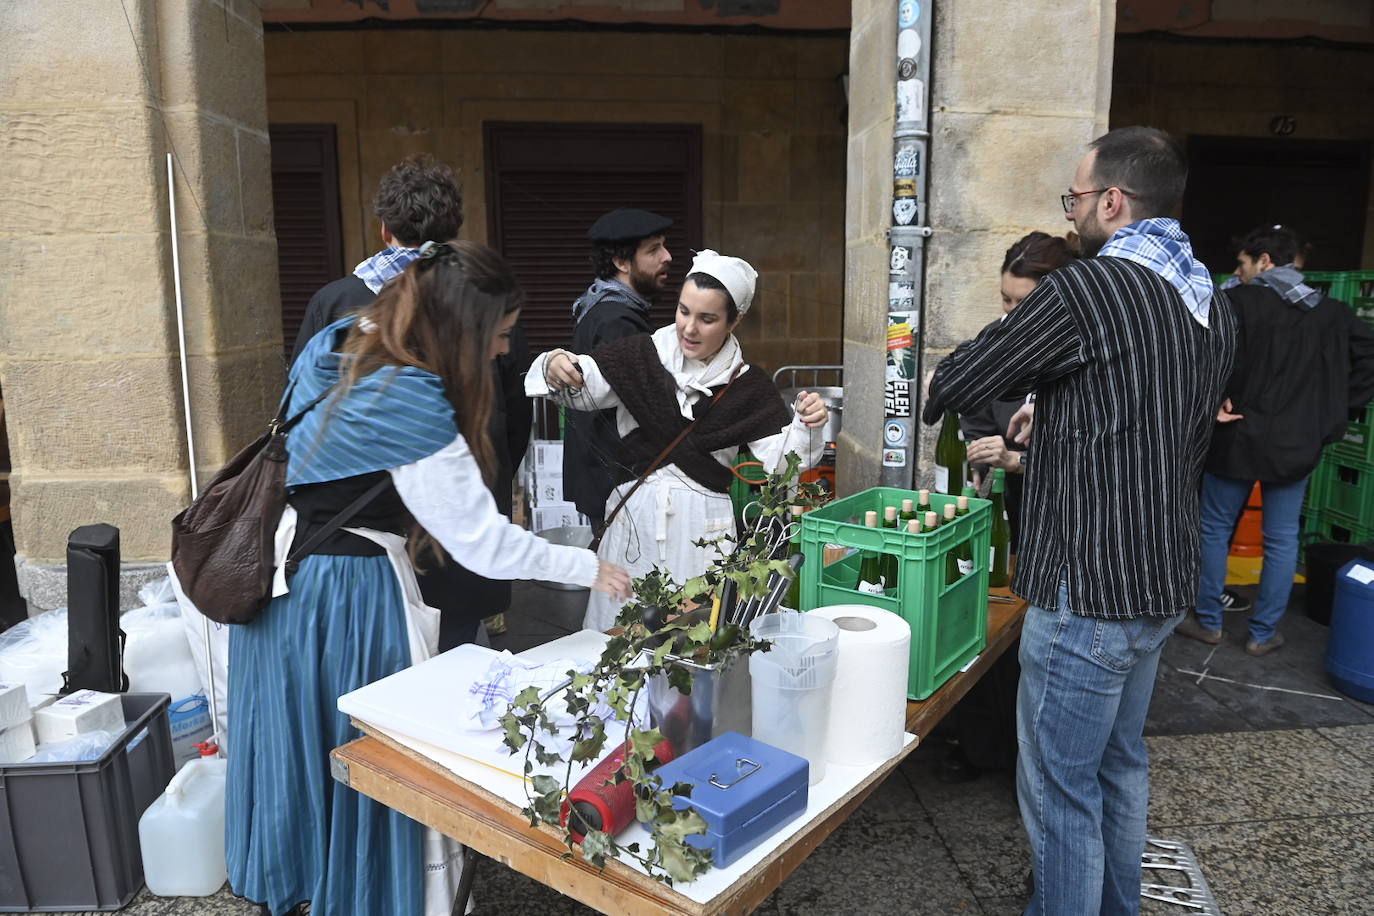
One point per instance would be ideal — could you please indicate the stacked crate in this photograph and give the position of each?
(1340, 493)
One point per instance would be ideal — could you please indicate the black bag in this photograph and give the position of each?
(1324, 559)
(223, 544)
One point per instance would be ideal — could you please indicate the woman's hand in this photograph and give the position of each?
(561, 372)
(812, 410)
(613, 580)
(993, 450)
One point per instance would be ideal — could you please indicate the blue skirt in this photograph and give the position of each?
(292, 833)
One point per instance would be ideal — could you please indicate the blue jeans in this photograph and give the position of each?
(1223, 499)
(1082, 774)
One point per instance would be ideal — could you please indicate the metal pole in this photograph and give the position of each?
(906, 250)
(190, 436)
(181, 327)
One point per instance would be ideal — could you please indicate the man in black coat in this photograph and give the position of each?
(419, 200)
(631, 264)
(1304, 367)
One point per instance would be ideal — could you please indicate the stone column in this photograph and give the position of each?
(1017, 93)
(89, 106)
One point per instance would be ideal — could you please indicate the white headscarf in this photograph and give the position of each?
(735, 274)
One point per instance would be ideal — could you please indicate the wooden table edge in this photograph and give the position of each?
(402, 779)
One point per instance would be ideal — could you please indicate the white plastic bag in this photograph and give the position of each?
(90, 746)
(215, 656)
(33, 652)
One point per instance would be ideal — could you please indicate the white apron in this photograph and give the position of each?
(657, 528)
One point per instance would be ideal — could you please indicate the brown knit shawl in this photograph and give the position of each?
(752, 409)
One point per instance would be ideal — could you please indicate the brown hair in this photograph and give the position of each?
(419, 199)
(1036, 255)
(440, 315)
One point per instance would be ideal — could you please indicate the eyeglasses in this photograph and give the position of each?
(1071, 198)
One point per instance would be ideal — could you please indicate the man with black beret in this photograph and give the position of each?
(631, 261)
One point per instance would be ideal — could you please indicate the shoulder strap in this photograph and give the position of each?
(335, 523)
(653, 465)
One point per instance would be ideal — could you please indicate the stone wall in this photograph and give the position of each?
(1235, 89)
(770, 110)
(89, 106)
(1016, 94)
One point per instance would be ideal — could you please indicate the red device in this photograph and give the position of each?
(602, 803)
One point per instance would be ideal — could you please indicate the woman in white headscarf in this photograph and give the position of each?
(688, 374)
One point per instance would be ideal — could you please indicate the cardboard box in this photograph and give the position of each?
(556, 516)
(14, 705)
(16, 743)
(546, 457)
(548, 491)
(79, 713)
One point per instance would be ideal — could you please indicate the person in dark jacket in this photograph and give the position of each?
(1304, 367)
(419, 200)
(630, 259)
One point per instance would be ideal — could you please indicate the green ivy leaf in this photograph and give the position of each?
(515, 737)
(593, 740)
(644, 741)
(596, 845)
(687, 823)
(527, 697)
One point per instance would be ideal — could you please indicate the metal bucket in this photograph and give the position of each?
(834, 401)
(721, 701)
(566, 536)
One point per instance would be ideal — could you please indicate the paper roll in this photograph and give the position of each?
(868, 699)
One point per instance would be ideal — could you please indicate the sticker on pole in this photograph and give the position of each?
(901, 296)
(908, 11)
(901, 255)
(904, 210)
(897, 397)
(906, 163)
(894, 457)
(895, 434)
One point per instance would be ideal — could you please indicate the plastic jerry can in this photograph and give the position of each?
(182, 832)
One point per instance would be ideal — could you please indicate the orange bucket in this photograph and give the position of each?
(1248, 540)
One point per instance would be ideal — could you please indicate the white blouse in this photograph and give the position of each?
(446, 494)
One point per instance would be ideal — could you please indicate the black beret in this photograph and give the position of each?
(626, 224)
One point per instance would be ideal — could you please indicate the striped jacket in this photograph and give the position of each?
(1127, 386)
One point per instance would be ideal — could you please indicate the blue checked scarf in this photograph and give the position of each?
(1161, 245)
(384, 265)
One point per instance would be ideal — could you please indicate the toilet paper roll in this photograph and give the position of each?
(868, 699)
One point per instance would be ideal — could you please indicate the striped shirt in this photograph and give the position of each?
(1128, 385)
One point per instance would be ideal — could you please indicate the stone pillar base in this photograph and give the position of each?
(44, 585)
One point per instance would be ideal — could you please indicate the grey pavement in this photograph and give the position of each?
(1259, 765)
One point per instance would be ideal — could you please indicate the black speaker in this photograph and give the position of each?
(95, 643)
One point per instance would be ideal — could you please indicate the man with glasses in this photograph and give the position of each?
(1127, 351)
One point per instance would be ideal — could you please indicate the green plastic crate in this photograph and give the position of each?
(1363, 307)
(1357, 443)
(1327, 527)
(1353, 284)
(1348, 495)
(949, 622)
(1315, 497)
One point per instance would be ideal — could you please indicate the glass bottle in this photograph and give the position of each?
(951, 456)
(959, 560)
(870, 563)
(999, 541)
(891, 562)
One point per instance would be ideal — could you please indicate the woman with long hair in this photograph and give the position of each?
(690, 372)
(1023, 267)
(400, 397)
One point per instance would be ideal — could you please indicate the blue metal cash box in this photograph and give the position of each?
(744, 789)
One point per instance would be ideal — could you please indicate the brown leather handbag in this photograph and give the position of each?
(223, 548)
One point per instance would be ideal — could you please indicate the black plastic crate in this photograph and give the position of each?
(69, 831)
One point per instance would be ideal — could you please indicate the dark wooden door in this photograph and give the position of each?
(1318, 187)
(547, 183)
(305, 206)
